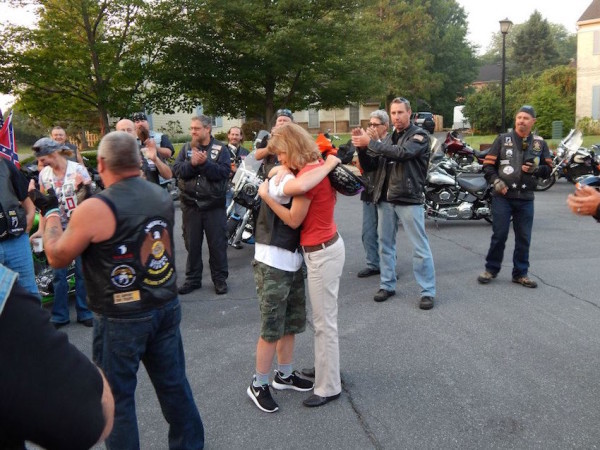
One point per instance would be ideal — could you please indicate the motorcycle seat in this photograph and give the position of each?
(472, 184)
(481, 154)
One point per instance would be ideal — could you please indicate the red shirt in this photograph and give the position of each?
(318, 226)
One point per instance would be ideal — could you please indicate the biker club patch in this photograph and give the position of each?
(156, 255)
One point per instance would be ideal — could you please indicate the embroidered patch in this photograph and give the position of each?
(122, 251)
(418, 137)
(156, 255)
(122, 276)
(508, 170)
(214, 153)
(508, 140)
(509, 153)
(126, 297)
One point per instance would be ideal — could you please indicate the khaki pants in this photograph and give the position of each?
(324, 272)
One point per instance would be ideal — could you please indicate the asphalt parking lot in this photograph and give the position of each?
(495, 366)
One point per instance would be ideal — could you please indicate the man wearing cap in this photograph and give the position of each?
(59, 135)
(151, 161)
(164, 147)
(282, 116)
(514, 161)
(72, 184)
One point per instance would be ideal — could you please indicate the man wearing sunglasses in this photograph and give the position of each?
(378, 130)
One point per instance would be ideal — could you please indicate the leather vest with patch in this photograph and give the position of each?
(13, 218)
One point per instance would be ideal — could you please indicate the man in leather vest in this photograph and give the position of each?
(514, 161)
(401, 162)
(379, 123)
(202, 168)
(235, 137)
(125, 236)
(16, 217)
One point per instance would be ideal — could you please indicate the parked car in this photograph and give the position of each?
(424, 120)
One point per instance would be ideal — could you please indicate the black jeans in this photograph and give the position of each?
(195, 224)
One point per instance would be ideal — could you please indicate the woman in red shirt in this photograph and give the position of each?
(323, 247)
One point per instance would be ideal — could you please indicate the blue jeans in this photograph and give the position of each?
(15, 254)
(522, 214)
(153, 338)
(370, 238)
(60, 307)
(413, 221)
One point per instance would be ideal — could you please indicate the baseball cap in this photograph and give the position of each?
(138, 116)
(45, 146)
(528, 109)
(284, 112)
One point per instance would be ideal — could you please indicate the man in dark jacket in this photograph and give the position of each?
(512, 165)
(379, 123)
(400, 161)
(202, 167)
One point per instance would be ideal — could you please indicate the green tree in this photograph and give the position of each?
(482, 109)
(534, 48)
(82, 63)
(253, 57)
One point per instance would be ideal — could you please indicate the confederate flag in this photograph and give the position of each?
(8, 146)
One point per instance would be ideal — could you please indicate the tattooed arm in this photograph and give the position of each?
(91, 222)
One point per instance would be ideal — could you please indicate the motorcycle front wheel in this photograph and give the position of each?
(543, 184)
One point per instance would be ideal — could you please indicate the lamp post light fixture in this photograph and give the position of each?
(505, 26)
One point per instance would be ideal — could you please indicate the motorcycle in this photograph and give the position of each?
(246, 182)
(43, 270)
(571, 161)
(450, 194)
(468, 159)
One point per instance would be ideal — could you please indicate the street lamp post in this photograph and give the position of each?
(505, 26)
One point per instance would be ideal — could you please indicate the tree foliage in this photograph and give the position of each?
(82, 62)
(551, 93)
(253, 57)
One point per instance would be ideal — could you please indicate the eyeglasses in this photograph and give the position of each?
(195, 128)
(371, 124)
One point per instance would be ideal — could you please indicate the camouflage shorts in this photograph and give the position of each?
(282, 301)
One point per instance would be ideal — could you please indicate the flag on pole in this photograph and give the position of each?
(8, 146)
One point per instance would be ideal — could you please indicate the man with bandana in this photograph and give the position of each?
(512, 165)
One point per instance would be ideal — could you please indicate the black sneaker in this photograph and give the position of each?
(292, 382)
(261, 396)
(382, 295)
(221, 287)
(189, 287)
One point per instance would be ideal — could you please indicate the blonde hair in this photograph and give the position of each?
(296, 143)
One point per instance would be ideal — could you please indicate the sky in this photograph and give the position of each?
(482, 15)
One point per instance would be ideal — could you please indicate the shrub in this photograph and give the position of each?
(589, 126)
(252, 127)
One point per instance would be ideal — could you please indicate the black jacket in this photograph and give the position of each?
(404, 163)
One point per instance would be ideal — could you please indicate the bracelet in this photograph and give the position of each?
(52, 211)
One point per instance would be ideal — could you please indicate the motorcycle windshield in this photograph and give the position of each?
(573, 141)
(249, 165)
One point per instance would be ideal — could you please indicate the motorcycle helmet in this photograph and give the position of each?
(345, 182)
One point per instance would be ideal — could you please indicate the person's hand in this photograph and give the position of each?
(43, 202)
(528, 167)
(332, 162)
(281, 172)
(500, 186)
(198, 157)
(372, 132)
(263, 189)
(35, 235)
(151, 150)
(584, 202)
(360, 138)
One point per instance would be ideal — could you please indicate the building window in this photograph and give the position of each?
(354, 115)
(595, 102)
(313, 118)
(199, 110)
(216, 121)
(596, 48)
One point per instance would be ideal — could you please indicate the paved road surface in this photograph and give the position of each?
(496, 366)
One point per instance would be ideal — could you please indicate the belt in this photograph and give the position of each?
(316, 248)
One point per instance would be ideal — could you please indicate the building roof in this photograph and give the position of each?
(592, 12)
(489, 72)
